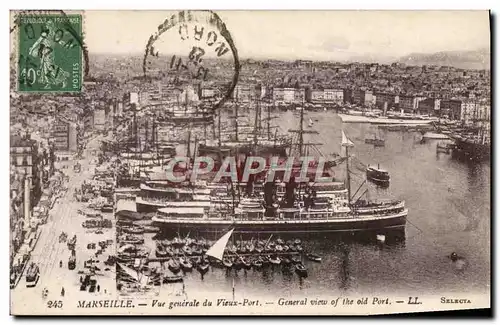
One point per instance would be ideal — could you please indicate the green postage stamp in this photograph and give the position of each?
(49, 52)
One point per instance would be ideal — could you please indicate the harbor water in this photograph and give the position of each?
(449, 211)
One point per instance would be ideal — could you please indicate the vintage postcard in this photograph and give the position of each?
(249, 162)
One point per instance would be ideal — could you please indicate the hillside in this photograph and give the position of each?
(479, 59)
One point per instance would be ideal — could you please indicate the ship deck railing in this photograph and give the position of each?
(343, 218)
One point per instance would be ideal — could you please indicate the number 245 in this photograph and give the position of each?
(54, 304)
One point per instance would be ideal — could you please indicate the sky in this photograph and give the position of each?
(316, 35)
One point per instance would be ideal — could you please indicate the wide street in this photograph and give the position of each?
(48, 252)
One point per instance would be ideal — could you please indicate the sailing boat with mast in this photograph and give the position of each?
(136, 280)
(474, 142)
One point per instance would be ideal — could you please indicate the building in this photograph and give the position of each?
(472, 111)
(348, 93)
(207, 93)
(65, 136)
(386, 99)
(25, 160)
(362, 97)
(134, 98)
(325, 96)
(99, 119)
(429, 106)
(287, 96)
(452, 108)
(408, 103)
(60, 135)
(243, 93)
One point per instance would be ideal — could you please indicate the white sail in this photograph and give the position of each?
(132, 273)
(217, 249)
(144, 280)
(345, 141)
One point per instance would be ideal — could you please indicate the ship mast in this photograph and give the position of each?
(188, 150)
(219, 129)
(348, 175)
(236, 121)
(301, 133)
(269, 122)
(256, 124)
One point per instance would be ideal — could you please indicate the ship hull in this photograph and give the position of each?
(473, 151)
(214, 228)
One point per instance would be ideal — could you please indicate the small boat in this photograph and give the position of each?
(275, 260)
(186, 265)
(250, 248)
(169, 251)
(279, 248)
(299, 248)
(376, 142)
(187, 250)
(280, 241)
(293, 248)
(192, 242)
(286, 248)
(203, 268)
(227, 262)
(197, 251)
(195, 260)
(232, 249)
(378, 176)
(265, 260)
(296, 260)
(238, 263)
(246, 263)
(301, 270)
(172, 278)
(160, 251)
(314, 257)
(174, 266)
(177, 242)
(297, 241)
(107, 208)
(259, 249)
(257, 263)
(133, 230)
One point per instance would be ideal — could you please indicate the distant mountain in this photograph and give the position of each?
(478, 59)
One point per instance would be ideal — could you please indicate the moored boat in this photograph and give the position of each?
(174, 266)
(275, 260)
(313, 257)
(378, 176)
(185, 264)
(301, 270)
(203, 268)
(172, 278)
(227, 262)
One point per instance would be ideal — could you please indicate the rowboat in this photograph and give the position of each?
(314, 257)
(301, 270)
